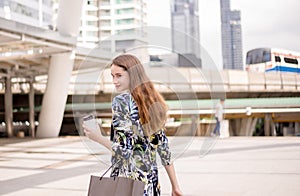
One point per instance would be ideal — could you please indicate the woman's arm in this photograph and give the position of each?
(165, 155)
(172, 176)
(122, 127)
(97, 137)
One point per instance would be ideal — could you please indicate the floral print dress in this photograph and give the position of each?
(134, 154)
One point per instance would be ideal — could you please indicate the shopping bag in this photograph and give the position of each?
(115, 186)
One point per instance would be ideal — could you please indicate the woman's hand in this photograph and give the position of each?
(94, 135)
(172, 176)
(97, 136)
(177, 192)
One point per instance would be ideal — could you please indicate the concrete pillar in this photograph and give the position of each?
(297, 128)
(238, 125)
(60, 70)
(31, 109)
(253, 125)
(243, 126)
(55, 97)
(272, 128)
(267, 124)
(195, 125)
(8, 105)
(249, 126)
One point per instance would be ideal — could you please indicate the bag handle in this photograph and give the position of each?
(105, 172)
(108, 170)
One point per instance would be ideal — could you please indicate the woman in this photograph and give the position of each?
(139, 114)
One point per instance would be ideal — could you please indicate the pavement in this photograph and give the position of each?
(211, 166)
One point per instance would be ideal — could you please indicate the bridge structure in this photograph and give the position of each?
(192, 93)
(272, 98)
(27, 54)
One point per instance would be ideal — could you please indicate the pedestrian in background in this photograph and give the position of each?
(218, 116)
(139, 116)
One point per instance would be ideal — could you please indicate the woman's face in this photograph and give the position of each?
(120, 78)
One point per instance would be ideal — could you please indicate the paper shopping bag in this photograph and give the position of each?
(115, 186)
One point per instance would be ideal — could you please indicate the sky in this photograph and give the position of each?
(265, 23)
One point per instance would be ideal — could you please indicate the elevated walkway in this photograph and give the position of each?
(193, 80)
(26, 50)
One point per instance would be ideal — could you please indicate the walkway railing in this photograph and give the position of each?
(170, 79)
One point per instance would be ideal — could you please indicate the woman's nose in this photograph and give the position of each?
(115, 80)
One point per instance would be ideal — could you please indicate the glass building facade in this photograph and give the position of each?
(232, 51)
(32, 12)
(185, 30)
(112, 22)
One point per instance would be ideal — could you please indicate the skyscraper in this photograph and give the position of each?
(232, 51)
(185, 31)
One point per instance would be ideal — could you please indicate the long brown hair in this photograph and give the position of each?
(151, 105)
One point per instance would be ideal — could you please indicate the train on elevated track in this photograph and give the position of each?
(273, 60)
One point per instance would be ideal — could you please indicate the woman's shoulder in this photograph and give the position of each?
(123, 97)
(121, 100)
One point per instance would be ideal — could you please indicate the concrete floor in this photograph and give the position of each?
(204, 166)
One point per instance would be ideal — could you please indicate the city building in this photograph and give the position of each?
(115, 25)
(32, 12)
(232, 51)
(185, 32)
